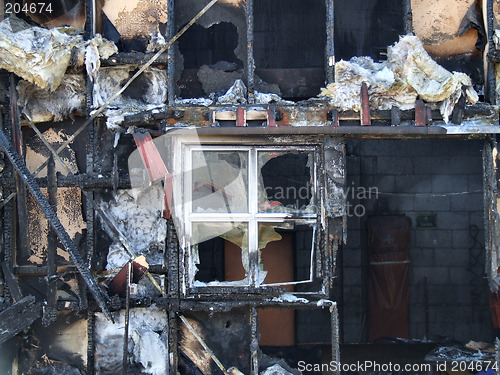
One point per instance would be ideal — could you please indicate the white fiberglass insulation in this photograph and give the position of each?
(42, 106)
(138, 215)
(147, 343)
(41, 56)
(409, 73)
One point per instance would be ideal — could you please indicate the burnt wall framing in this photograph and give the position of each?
(95, 179)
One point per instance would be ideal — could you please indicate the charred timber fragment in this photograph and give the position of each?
(395, 116)
(134, 58)
(11, 281)
(18, 317)
(52, 218)
(458, 112)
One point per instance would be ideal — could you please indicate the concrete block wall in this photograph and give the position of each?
(413, 177)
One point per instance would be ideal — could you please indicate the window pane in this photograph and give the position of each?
(285, 252)
(219, 253)
(220, 181)
(286, 182)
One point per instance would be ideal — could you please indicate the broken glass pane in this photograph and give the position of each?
(219, 253)
(220, 181)
(286, 181)
(285, 252)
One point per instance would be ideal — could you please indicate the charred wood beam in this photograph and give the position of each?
(284, 116)
(335, 336)
(458, 112)
(172, 259)
(52, 218)
(134, 58)
(50, 311)
(330, 42)
(250, 57)
(490, 74)
(171, 82)
(408, 17)
(17, 317)
(22, 211)
(173, 342)
(65, 270)
(82, 181)
(90, 343)
(227, 305)
(12, 283)
(254, 343)
(127, 316)
(371, 131)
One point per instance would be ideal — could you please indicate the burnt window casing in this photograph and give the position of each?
(250, 215)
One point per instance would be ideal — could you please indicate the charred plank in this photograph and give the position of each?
(17, 317)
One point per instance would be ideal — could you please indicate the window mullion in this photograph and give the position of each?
(253, 232)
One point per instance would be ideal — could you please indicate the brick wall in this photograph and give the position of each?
(441, 177)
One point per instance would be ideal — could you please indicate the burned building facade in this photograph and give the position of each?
(248, 186)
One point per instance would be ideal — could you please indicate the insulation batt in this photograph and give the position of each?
(41, 56)
(139, 219)
(147, 344)
(41, 106)
(409, 73)
(148, 92)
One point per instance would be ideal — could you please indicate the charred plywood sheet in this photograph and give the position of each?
(62, 345)
(136, 18)
(69, 209)
(437, 21)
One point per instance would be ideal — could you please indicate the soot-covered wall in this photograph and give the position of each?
(420, 177)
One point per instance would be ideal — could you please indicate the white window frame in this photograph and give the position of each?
(183, 160)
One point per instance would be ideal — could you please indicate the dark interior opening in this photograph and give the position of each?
(289, 47)
(200, 46)
(367, 27)
(213, 47)
(287, 180)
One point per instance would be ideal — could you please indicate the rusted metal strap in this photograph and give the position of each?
(422, 114)
(54, 222)
(365, 106)
(241, 120)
